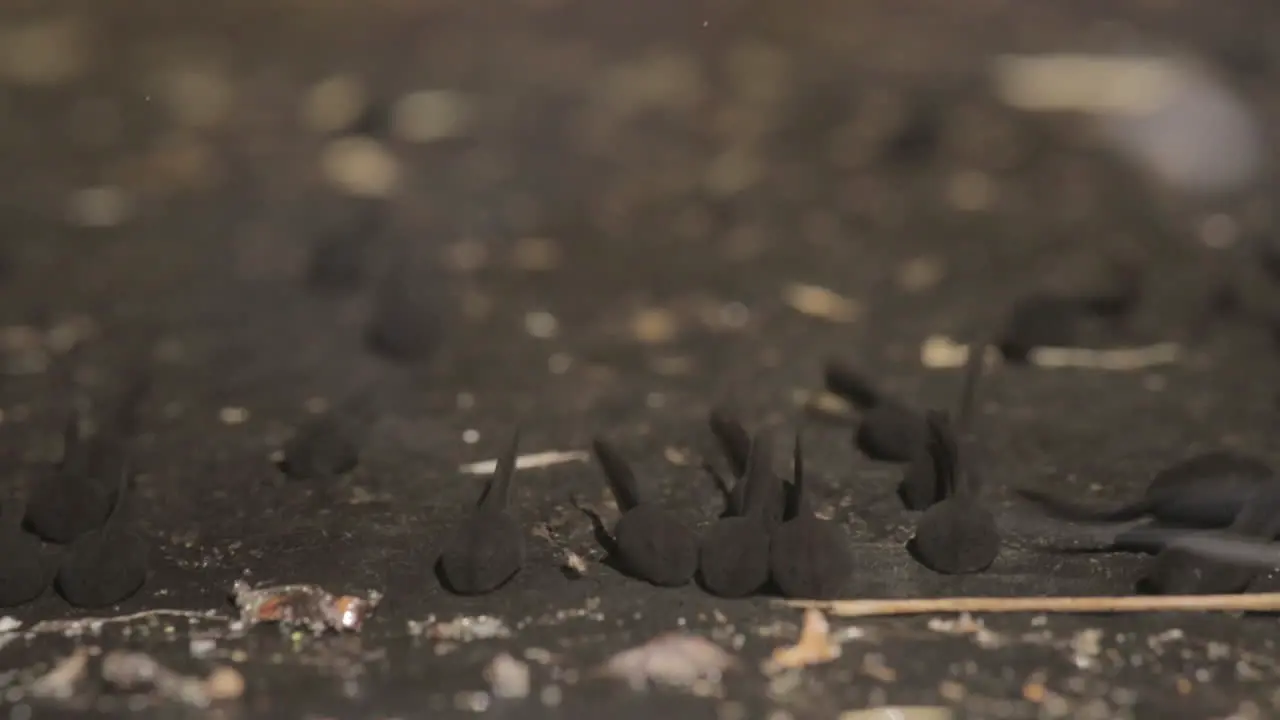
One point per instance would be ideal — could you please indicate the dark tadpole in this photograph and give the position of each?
(959, 534)
(489, 549)
(809, 558)
(652, 545)
(77, 495)
(106, 566)
(890, 431)
(406, 321)
(922, 486)
(339, 254)
(1054, 320)
(23, 573)
(1180, 571)
(328, 445)
(736, 444)
(733, 558)
(1204, 491)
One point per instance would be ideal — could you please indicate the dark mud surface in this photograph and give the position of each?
(603, 212)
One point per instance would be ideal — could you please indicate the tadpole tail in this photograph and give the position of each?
(758, 478)
(618, 473)
(496, 495)
(130, 402)
(944, 450)
(969, 383)
(1063, 510)
(843, 380)
(122, 495)
(804, 499)
(733, 438)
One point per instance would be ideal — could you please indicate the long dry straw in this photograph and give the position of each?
(1247, 602)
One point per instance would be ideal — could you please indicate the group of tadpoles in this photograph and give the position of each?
(769, 535)
(79, 508)
(769, 532)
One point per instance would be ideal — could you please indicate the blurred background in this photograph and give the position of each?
(536, 198)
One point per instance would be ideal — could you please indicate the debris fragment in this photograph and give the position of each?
(307, 606)
(814, 647)
(938, 352)
(674, 659)
(461, 629)
(527, 462)
(820, 302)
(574, 565)
(508, 677)
(130, 670)
(60, 682)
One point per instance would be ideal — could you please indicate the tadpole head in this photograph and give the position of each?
(483, 555)
(64, 507)
(733, 558)
(655, 547)
(957, 536)
(103, 568)
(322, 448)
(809, 558)
(891, 432)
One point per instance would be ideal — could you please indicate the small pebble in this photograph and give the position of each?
(360, 166)
(430, 115)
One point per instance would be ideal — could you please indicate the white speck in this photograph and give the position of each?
(334, 104)
(971, 191)
(559, 363)
(734, 315)
(233, 415)
(360, 166)
(430, 115)
(551, 695)
(99, 207)
(9, 624)
(541, 324)
(470, 436)
(1218, 232)
(508, 677)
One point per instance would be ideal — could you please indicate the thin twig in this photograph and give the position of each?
(92, 624)
(1247, 602)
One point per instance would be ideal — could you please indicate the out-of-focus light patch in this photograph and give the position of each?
(1169, 116)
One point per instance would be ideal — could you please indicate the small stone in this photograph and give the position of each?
(430, 115)
(334, 104)
(360, 166)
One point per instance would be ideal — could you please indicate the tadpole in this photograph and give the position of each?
(921, 484)
(733, 557)
(23, 573)
(957, 535)
(809, 557)
(736, 444)
(1206, 491)
(106, 566)
(1179, 571)
(890, 431)
(76, 497)
(652, 544)
(489, 549)
(1053, 320)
